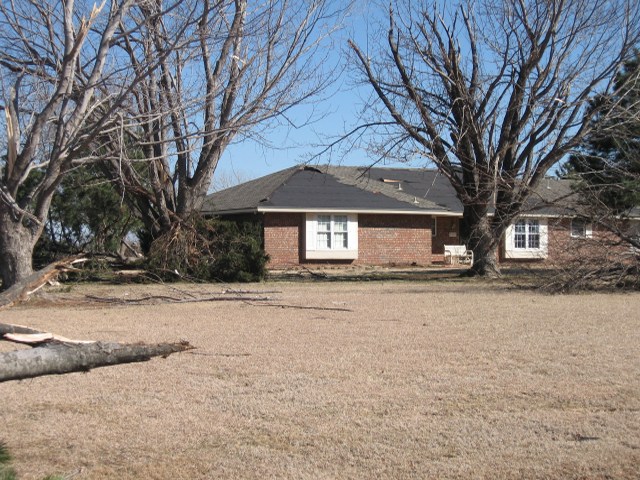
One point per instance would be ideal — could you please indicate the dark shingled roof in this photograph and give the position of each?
(371, 189)
(329, 187)
(425, 184)
(554, 197)
(314, 189)
(248, 195)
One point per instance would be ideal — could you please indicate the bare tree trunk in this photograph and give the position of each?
(57, 358)
(480, 236)
(16, 249)
(487, 263)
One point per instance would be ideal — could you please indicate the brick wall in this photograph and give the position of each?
(283, 238)
(407, 239)
(447, 233)
(382, 239)
(563, 248)
(602, 246)
(394, 239)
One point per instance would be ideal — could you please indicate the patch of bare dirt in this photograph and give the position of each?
(397, 380)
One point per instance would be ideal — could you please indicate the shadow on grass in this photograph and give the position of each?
(512, 277)
(381, 274)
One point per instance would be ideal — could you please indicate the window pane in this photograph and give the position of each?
(578, 228)
(520, 240)
(534, 226)
(324, 223)
(332, 232)
(534, 240)
(323, 241)
(340, 240)
(340, 223)
(520, 226)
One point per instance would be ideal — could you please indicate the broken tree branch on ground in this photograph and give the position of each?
(167, 299)
(21, 290)
(55, 355)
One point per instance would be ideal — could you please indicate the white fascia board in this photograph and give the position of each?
(357, 211)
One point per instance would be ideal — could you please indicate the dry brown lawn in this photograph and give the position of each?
(418, 380)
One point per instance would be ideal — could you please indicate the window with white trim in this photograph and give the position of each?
(580, 228)
(331, 236)
(526, 238)
(332, 232)
(526, 234)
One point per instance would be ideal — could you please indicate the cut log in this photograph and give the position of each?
(57, 358)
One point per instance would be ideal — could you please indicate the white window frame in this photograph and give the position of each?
(331, 250)
(513, 252)
(587, 232)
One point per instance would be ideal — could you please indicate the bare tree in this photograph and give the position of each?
(242, 66)
(56, 59)
(494, 93)
(606, 174)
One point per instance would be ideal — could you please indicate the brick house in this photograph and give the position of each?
(383, 216)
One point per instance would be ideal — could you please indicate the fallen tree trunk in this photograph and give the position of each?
(56, 358)
(20, 291)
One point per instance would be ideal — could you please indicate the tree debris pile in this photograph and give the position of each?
(209, 250)
(591, 276)
(608, 267)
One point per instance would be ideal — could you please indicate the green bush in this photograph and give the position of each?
(239, 253)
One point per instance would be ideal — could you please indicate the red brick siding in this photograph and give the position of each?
(407, 239)
(394, 239)
(447, 233)
(560, 241)
(601, 246)
(382, 239)
(283, 235)
(562, 247)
